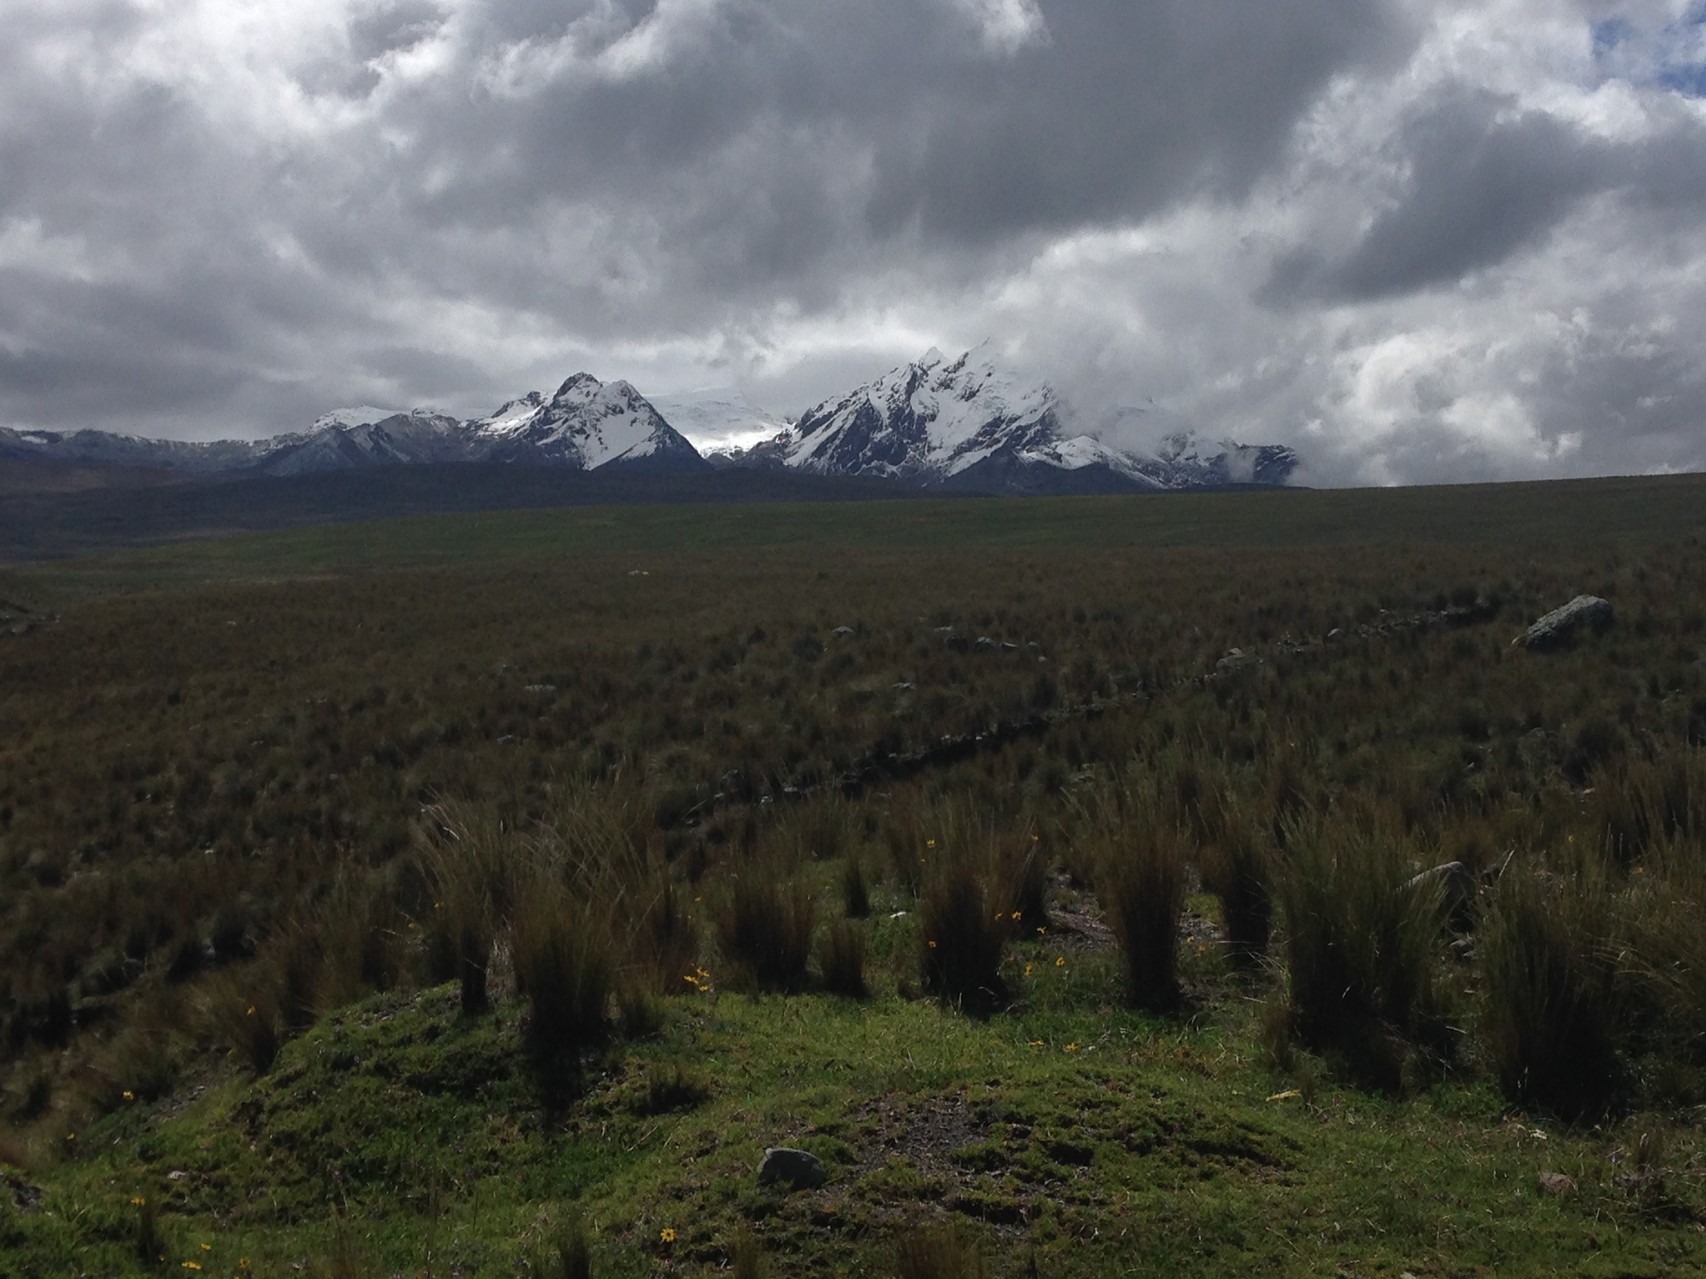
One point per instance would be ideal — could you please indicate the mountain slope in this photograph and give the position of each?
(586, 425)
(719, 421)
(969, 425)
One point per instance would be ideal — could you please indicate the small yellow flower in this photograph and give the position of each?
(931, 944)
(1036, 1043)
(929, 843)
(251, 1011)
(1072, 1048)
(138, 1200)
(128, 1095)
(207, 1247)
(191, 1265)
(1028, 970)
(1640, 870)
(667, 1234)
(1018, 915)
(1060, 961)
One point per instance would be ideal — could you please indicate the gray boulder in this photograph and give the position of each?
(796, 1169)
(1455, 886)
(1562, 624)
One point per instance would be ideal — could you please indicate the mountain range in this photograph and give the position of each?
(962, 425)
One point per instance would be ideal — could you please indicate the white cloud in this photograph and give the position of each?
(1424, 239)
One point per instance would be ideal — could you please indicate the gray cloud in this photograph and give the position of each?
(1483, 181)
(1423, 240)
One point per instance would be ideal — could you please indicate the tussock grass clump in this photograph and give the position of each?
(471, 861)
(1360, 952)
(1018, 874)
(1549, 1012)
(938, 1252)
(672, 1089)
(665, 939)
(1141, 885)
(1668, 951)
(568, 1255)
(841, 960)
(765, 929)
(747, 1259)
(561, 953)
(962, 938)
(1238, 868)
(855, 887)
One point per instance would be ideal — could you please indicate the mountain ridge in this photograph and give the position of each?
(965, 425)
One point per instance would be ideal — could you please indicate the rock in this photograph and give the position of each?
(1235, 659)
(985, 644)
(1562, 624)
(798, 1169)
(1556, 1183)
(842, 632)
(1453, 882)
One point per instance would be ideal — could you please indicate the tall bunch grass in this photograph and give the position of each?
(764, 928)
(1141, 885)
(962, 937)
(1238, 868)
(471, 859)
(841, 960)
(1361, 950)
(1549, 1017)
(561, 951)
(938, 1252)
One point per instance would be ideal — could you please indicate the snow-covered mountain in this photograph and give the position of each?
(965, 424)
(586, 425)
(719, 421)
(968, 424)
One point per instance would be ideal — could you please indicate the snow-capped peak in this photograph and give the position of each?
(585, 424)
(974, 423)
(930, 419)
(719, 419)
(360, 415)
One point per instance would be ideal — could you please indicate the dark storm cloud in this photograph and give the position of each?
(1128, 108)
(226, 217)
(1484, 181)
(618, 170)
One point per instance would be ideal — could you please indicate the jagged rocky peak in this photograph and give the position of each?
(585, 425)
(972, 423)
(930, 420)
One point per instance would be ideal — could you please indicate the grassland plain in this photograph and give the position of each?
(278, 814)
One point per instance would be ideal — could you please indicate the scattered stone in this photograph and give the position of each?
(985, 645)
(1235, 659)
(27, 1197)
(1561, 625)
(799, 1169)
(1455, 884)
(842, 632)
(1557, 1183)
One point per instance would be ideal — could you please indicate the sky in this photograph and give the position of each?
(1419, 240)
